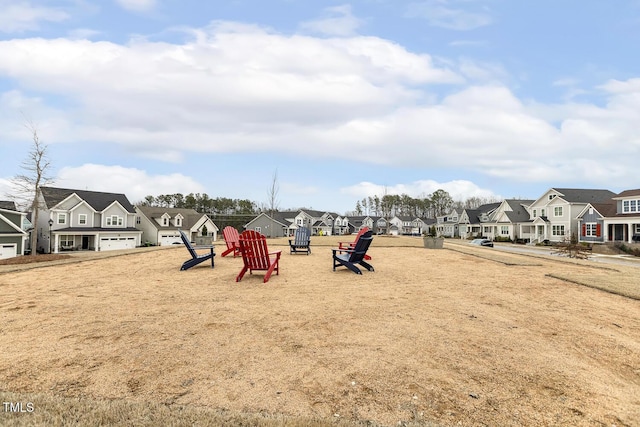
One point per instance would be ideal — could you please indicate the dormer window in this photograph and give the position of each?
(165, 221)
(178, 221)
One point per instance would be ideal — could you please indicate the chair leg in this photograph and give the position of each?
(366, 265)
(242, 272)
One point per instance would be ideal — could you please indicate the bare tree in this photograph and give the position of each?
(26, 186)
(272, 197)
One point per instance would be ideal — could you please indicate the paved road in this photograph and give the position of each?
(628, 260)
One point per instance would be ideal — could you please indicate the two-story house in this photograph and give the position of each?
(616, 220)
(85, 220)
(554, 216)
(506, 219)
(13, 237)
(160, 225)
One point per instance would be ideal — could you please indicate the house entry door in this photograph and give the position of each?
(85, 242)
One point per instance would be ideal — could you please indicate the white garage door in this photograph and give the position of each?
(169, 239)
(8, 251)
(113, 243)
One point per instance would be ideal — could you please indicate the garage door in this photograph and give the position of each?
(114, 243)
(169, 239)
(8, 251)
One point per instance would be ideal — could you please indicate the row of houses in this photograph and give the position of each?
(98, 221)
(591, 215)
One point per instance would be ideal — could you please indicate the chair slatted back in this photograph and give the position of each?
(187, 243)
(231, 236)
(302, 236)
(361, 247)
(253, 247)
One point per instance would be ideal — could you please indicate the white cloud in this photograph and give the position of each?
(137, 5)
(135, 183)
(242, 88)
(19, 16)
(451, 14)
(459, 190)
(338, 21)
(83, 33)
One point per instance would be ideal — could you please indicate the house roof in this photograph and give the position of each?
(606, 209)
(627, 193)
(8, 205)
(96, 199)
(190, 216)
(579, 195)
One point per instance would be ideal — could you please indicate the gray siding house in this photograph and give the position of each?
(13, 239)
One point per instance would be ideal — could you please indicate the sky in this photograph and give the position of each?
(339, 100)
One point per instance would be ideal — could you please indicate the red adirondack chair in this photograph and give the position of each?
(256, 255)
(231, 237)
(351, 245)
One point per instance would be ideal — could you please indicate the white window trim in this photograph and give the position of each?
(555, 210)
(62, 218)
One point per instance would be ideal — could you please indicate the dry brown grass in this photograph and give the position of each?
(431, 337)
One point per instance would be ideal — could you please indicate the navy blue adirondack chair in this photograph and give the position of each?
(301, 243)
(354, 256)
(195, 258)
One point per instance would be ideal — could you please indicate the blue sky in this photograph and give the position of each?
(485, 98)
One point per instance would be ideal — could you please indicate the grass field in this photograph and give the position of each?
(460, 336)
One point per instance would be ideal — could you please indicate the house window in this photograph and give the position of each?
(82, 219)
(165, 221)
(62, 218)
(535, 213)
(634, 205)
(299, 221)
(66, 241)
(258, 229)
(504, 230)
(557, 211)
(178, 222)
(338, 223)
(552, 196)
(137, 220)
(542, 213)
(114, 220)
(591, 229)
(557, 230)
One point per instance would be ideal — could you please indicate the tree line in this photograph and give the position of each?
(437, 203)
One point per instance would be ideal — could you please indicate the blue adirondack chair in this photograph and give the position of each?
(195, 258)
(301, 243)
(354, 256)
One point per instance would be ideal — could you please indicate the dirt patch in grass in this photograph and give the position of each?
(431, 337)
(29, 259)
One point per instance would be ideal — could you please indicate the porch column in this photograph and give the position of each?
(97, 243)
(55, 243)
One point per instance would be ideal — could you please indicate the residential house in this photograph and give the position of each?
(160, 225)
(272, 225)
(13, 237)
(615, 220)
(284, 223)
(447, 225)
(471, 222)
(85, 220)
(554, 216)
(505, 220)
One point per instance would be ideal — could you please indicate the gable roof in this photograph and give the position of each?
(190, 216)
(627, 193)
(96, 199)
(8, 205)
(579, 195)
